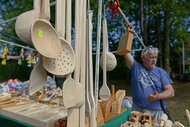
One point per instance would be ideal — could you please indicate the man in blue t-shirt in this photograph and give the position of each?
(150, 83)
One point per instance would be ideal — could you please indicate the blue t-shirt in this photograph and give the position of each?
(145, 82)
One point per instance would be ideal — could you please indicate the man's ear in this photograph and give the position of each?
(142, 57)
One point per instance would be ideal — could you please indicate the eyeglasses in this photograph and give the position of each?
(149, 48)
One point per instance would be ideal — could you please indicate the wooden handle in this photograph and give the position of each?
(112, 89)
(37, 5)
(187, 115)
(45, 10)
(178, 124)
(100, 117)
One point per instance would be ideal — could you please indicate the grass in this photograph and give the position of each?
(180, 102)
(177, 104)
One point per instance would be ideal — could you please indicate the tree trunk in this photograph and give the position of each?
(159, 42)
(166, 42)
(143, 21)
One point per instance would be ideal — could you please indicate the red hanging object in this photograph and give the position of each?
(115, 6)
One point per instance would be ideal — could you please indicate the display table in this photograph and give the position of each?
(8, 122)
(10, 117)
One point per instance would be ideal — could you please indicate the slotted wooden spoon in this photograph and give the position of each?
(65, 63)
(111, 61)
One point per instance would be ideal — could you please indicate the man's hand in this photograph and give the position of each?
(153, 97)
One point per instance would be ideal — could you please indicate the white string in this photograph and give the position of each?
(115, 52)
(8, 20)
(11, 57)
(12, 43)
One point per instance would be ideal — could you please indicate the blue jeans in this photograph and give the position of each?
(156, 113)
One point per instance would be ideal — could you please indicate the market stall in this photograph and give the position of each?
(78, 101)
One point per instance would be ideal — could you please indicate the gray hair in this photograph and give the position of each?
(149, 48)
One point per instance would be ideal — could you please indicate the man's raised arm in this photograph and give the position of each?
(129, 60)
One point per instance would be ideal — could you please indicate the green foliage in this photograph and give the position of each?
(13, 70)
(153, 10)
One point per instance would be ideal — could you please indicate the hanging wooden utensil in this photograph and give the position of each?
(83, 62)
(92, 117)
(104, 92)
(74, 112)
(87, 87)
(25, 20)
(38, 78)
(65, 62)
(44, 37)
(76, 100)
(111, 61)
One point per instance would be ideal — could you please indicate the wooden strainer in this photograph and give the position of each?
(63, 64)
(111, 61)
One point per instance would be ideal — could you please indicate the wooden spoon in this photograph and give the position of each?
(92, 122)
(104, 92)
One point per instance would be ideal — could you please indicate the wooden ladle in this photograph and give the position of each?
(65, 62)
(44, 37)
(25, 20)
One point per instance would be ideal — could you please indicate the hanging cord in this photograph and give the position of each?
(118, 9)
(14, 18)
(17, 45)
